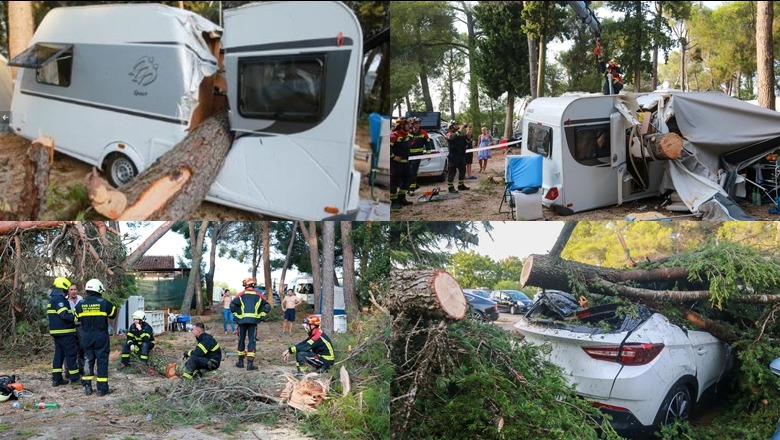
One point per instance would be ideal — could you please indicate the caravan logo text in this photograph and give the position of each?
(144, 71)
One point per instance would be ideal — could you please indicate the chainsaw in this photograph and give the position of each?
(435, 195)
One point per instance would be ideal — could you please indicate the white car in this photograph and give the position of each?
(435, 166)
(638, 367)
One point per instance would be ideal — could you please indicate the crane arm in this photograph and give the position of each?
(588, 17)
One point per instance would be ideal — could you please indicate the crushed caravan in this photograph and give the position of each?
(595, 149)
(118, 95)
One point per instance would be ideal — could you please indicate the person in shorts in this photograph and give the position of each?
(289, 303)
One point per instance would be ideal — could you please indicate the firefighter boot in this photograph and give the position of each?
(402, 200)
(88, 389)
(56, 383)
(240, 363)
(462, 187)
(250, 364)
(395, 204)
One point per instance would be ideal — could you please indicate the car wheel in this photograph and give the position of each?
(513, 310)
(121, 170)
(476, 315)
(676, 406)
(443, 176)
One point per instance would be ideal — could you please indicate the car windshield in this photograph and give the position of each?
(480, 293)
(517, 296)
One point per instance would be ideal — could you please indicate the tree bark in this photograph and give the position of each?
(20, 29)
(563, 238)
(282, 286)
(36, 182)
(555, 273)
(427, 294)
(765, 55)
(216, 231)
(350, 296)
(196, 249)
(269, 290)
(174, 186)
(314, 255)
(328, 256)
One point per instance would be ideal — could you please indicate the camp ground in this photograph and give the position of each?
(119, 99)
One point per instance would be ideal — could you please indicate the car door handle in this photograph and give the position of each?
(701, 351)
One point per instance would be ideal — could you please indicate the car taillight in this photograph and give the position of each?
(610, 407)
(495, 308)
(552, 194)
(631, 354)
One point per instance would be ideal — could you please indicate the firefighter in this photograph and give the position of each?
(419, 143)
(399, 164)
(94, 313)
(62, 328)
(207, 355)
(248, 307)
(140, 340)
(612, 68)
(316, 350)
(457, 156)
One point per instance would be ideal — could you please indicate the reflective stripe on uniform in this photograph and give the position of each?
(62, 332)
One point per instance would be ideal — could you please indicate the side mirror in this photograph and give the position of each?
(774, 366)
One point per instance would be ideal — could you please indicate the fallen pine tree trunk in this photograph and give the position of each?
(557, 274)
(37, 169)
(175, 185)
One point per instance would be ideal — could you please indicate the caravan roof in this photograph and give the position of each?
(131, 23)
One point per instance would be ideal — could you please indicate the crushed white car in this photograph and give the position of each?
(636, 365)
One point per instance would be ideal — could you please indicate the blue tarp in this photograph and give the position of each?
(524, 172)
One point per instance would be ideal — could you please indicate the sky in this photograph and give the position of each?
(519, 239)
(227, 270)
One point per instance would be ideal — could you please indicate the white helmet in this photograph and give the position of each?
(139, 314)
(95, 285)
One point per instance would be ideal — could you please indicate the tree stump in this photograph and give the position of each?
(432, 294)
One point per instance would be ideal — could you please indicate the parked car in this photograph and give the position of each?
(511, 301)
(435, 167)
(484, 293)
(277, 300)
(481, 309)
(635, 365)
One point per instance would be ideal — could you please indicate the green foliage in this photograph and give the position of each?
(501, 381)
(473, 270)
(423, 244)
(499, 64)
(365, 412)
(731, 268)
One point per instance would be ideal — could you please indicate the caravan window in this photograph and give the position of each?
(53, 63)
(589, 145)
(282, 88)
(539, 139)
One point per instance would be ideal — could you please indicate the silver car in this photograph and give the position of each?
(435, 166)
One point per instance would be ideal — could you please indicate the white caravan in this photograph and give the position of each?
(595, 154)
(304, 289)
(117, 86)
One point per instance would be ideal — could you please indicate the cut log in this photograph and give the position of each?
(715, 328)
(665, 146)
(305, 394)
(555, 273)
(432, 294)
(175, 185)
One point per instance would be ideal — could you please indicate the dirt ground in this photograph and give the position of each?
(88, 417)
(67, 172)
(482, 200)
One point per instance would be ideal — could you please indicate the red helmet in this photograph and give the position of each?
(249, 282)
(312, 320)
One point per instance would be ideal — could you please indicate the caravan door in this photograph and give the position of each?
(294, 72)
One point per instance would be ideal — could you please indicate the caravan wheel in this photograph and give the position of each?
(121, 170)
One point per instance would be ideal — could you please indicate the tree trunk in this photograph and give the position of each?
(428, 294)
(533, 63)
(471, 41)
(765, 55)
(350, 296)
(282, 286)
(554, 273)
(215, 232)
(510, 114)
(563, 238)
(269, 290)
(196, 249)
(314, 255)
(328, 249)
(174, 186)
(20, 29)
(147, 244)
(542, 62)
(36, 182)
